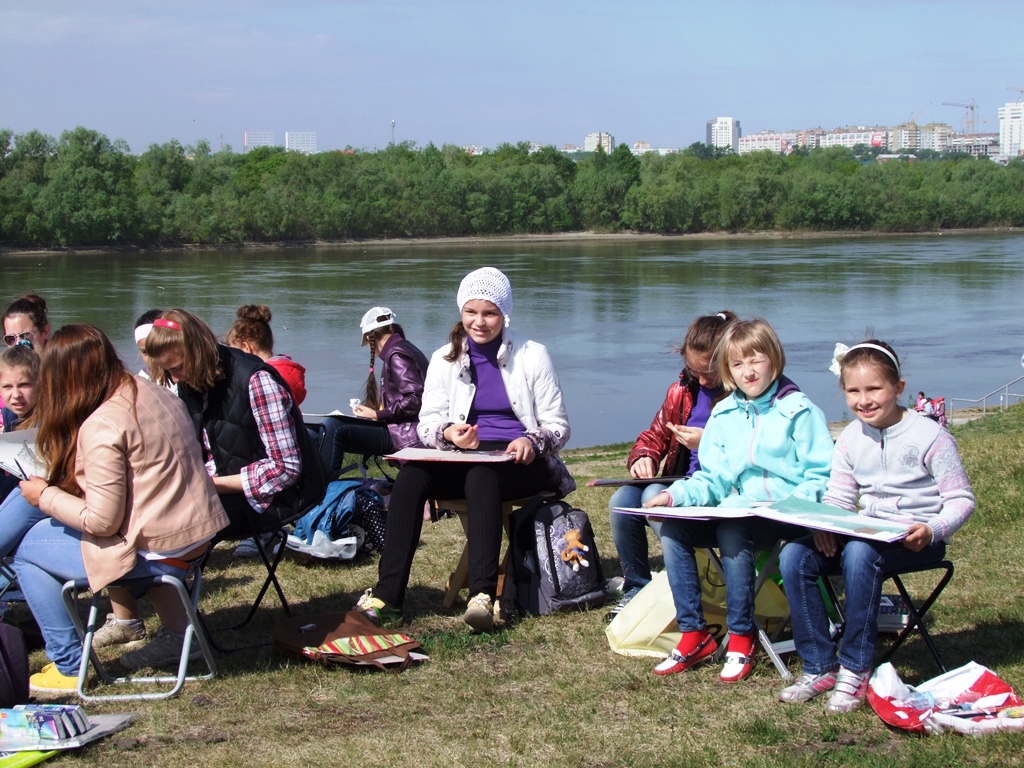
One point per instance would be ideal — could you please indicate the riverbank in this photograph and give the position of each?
(962, 416)
(532, 239)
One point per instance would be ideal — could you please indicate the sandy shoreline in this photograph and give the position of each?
(474, 241)
(961, 416)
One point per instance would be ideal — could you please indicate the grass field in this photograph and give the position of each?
(547, 691)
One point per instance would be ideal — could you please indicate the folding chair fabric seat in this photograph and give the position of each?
(189, 596)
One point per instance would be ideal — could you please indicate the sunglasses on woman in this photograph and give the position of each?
(13, 338)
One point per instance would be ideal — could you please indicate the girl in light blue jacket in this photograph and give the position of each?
(764, 442)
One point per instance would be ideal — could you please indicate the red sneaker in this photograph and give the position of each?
(693, 647)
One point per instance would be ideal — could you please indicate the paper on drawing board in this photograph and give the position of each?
(463, 457)
(690, 513)
(18, 454)
(614, 482)
(822, 517)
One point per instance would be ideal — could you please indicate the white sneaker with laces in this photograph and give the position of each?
(480, 612)
(115, 632)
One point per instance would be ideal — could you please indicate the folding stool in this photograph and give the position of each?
(189, 597)
(915, 613)
(459, 578)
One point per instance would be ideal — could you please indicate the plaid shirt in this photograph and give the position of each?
(261, 480)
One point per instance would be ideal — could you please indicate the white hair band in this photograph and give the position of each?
(142, 331)
(842, 351)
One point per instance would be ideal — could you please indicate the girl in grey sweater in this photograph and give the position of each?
(890, 463)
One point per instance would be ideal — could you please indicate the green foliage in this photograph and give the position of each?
(84, 189)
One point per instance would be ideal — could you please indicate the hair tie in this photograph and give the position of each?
(371, 369)
(161, 322)
(722, 315)
(142, 331)
(842, 351)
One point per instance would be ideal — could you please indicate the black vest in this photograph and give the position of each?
(235, 439)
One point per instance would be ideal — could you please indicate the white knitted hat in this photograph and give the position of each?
(489, 284)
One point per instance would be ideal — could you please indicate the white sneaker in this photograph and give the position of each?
(480, 612)
(850, 691)
(114, 632)
(807, 687)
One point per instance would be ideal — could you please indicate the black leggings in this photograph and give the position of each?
(483, 486)
(340, 437)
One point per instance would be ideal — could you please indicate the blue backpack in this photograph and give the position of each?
(333, 513)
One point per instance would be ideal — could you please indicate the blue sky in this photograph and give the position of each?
(485, 73)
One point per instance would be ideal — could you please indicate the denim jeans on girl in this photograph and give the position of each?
(17, 517)
(737, 541)
(629, 532)
(863, 565)
(49, 555)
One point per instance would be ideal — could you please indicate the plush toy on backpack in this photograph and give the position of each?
(574, 549)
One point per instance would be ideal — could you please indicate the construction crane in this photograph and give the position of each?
(917, 113)
(1011, 88)
(968, 118)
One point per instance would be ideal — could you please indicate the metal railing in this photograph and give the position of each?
(1004, 398)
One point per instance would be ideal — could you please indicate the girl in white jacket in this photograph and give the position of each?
(487, 389)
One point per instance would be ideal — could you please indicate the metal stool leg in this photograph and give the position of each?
(194, 631)
(916, 615)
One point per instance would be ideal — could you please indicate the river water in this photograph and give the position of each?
(610, 312)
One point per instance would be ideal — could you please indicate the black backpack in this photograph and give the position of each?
(13, 667)
(542, 561)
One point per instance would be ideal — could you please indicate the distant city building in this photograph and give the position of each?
(599, 139)
(1011, 127)
(850, 137)
(301, 141)
(643, 147)
(935, 136)
(979, 145)
(724, 132)
(253, 139)
(910, 136)
(904, 137)
(571, 148)
(781, 143)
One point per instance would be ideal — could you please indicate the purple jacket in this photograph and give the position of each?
(402, 369)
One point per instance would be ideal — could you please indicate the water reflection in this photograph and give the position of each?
(610, 312)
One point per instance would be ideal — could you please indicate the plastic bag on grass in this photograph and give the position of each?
(324, 548)
(971, 700)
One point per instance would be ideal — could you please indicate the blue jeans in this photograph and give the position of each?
(17, 517)
(863, 565)
(49, 555)
(737, 540)
(629, 532)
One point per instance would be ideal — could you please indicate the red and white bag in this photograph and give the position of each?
(970, 700)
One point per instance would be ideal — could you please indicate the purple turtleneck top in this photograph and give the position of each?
(491, 410)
